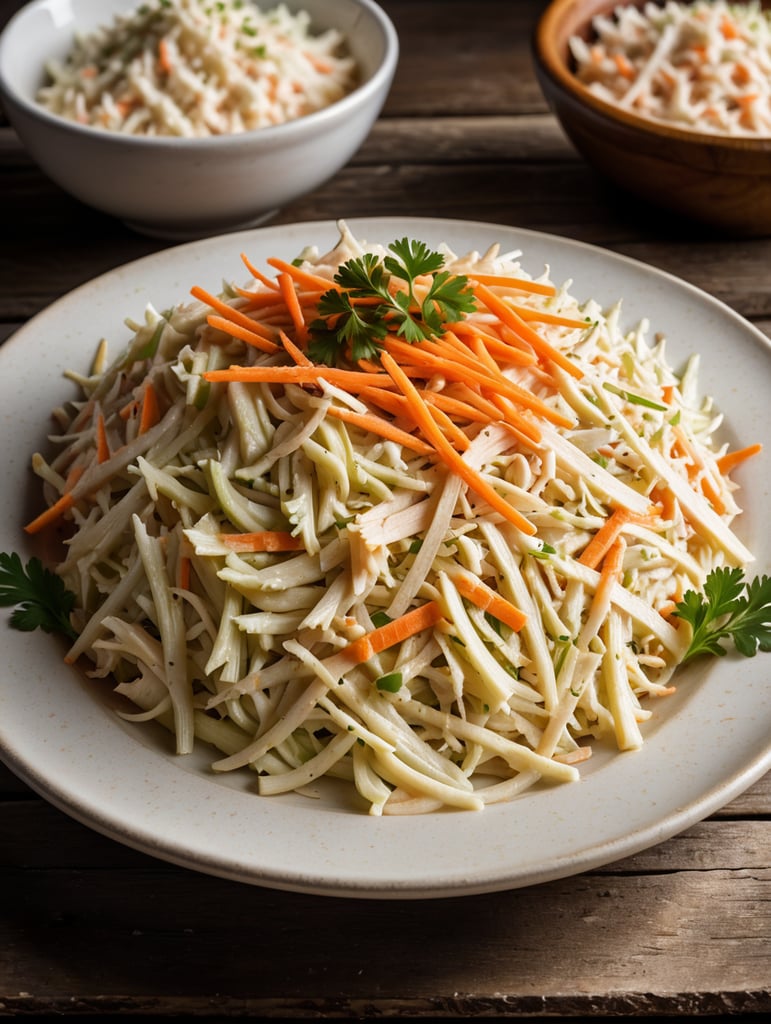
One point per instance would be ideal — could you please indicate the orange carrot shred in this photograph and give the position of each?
(258, 275)
(497, 346)
(164, 56)
(489, 601)
(245, 334)
(446, 451)
(297, 355)
(303, 277)
(60, 506)
(150, 414)
(51, 514)
(610, 531)
(351, 380)
(384, 428)
(511, 318)
(614, 559)
(731, 460)
(513, 282)
(184, 572)
(230, 312)
(286, 284)
(407, 625)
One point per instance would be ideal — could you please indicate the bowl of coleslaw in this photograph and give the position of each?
(186, 118)
(670, 101)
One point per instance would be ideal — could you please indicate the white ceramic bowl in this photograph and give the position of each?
(186, 188)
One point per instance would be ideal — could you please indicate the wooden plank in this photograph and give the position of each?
(170, 938)
(562, 198)
(36, 835)
(440, 46)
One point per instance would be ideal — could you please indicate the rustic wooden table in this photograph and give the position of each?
(90, 927)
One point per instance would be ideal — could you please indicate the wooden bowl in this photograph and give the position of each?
(718, 180)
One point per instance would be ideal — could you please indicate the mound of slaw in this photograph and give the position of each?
(197, 68)
(249, 644)
(703, 65)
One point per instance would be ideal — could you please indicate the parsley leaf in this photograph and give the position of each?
(43, 602)
(343, 322)
(729, 609)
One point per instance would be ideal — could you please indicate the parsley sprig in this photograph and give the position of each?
(342, 322)
(41, 598)
(729, 609)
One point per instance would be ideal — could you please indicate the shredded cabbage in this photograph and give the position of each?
(703, 66)
(246, 650)
(196, 68)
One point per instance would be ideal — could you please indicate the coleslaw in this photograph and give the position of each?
(703, 65)
(196, 68)
(266, 561)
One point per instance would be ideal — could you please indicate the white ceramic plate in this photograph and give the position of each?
(58, 732)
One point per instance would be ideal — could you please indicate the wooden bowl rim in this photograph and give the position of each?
(547, 54)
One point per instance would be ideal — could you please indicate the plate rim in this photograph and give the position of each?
(325, 884)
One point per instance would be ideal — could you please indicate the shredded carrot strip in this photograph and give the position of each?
(368, 366)
(297, 355)
(623, 65)
(497, 346)
(383, 428)
(514, 419)
(150, 414)
(473, 396)
(449, 427)
(497, 382)
(708, 486)
(666, 499)
(513, 282)
(262, 540)
(164, 56)
(130, 409)
(184, 572)
(265, 299)
(60, 506)
(242, 333)
(731, 460)
(555, 319)
(303, 277)
(445, 450)
(286, 284)
(613, 562)
(407, 625)
(454, 406)
(508, 316)
(485, 598)
(51, 514)
(230, 312)
(258, 275)
(387, 400)
(610, 531)
(351, 380)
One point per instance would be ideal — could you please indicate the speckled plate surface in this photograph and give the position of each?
(58, 730)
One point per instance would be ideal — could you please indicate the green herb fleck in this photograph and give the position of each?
(632, 398)
(391, 683)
